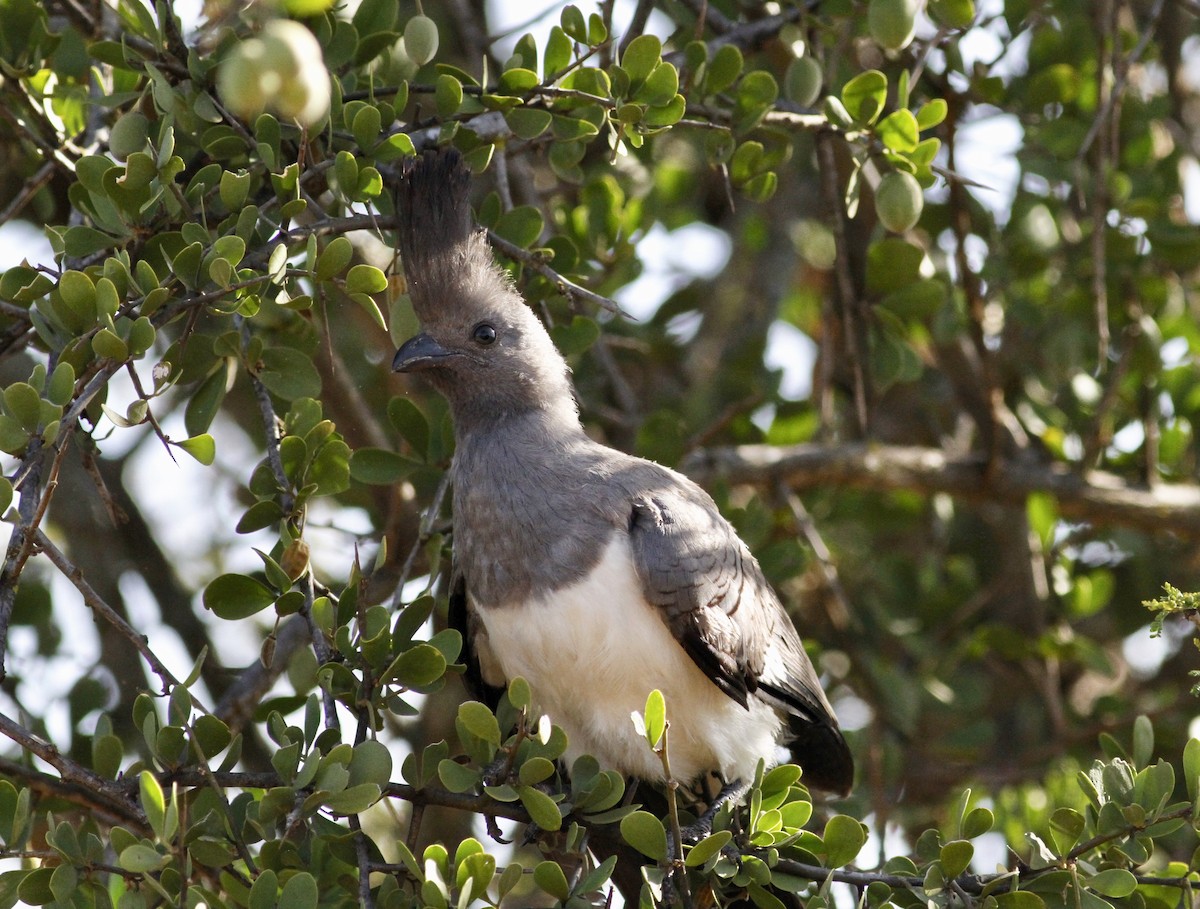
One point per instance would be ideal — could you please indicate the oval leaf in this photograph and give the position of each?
(236, 596)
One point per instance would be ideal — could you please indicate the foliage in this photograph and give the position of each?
(994, 465)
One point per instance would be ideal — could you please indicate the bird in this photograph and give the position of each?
(595, 575)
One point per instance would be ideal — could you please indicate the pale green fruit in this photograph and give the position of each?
(898, 201)
(892, 22)
(240, 81)
(289, 47)
(306, 97)
(802, 82)
(421, 39)
(295, 78)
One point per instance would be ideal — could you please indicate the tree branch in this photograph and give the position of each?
(1095, 496)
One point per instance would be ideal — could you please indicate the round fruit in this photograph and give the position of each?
(305, 98)
(898, 201)
(892, 22)
(294, 76)
(802, 82)
(289, 47)
(421, 39)
(240, 80)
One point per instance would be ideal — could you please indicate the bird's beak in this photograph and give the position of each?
(419, 352)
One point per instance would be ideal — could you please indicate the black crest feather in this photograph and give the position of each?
(446, 256)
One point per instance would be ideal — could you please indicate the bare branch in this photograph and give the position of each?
(1095, 496)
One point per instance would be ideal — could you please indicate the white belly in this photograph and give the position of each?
(592, 652)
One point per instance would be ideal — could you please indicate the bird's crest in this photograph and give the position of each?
(446, 256)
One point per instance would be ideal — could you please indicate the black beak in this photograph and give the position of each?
(419, 352)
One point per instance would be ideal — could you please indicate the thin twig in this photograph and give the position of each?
(568, 288)
(829, 573)
(423, 534)
(108, 792)
(97, 604)
(854, 332)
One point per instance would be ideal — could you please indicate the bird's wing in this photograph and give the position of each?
(721, 609)
(483, 677)
(715, 599)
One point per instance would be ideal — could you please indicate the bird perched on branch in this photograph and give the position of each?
(595, 575)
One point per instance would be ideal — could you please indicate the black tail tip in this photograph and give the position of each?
(825, 757)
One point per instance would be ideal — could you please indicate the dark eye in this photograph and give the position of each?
(483, 334)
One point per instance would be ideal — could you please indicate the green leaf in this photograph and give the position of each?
(456, 777)
(865, 95)
(723, 70)
(23, 403)
(655, 717)
(81, 241)
(898, 131)
(417, 667)
(299, 892)
(1191, 768)
(264, 892)
(234, 188)
(153, 801)
(956, 857)
(34, 888)
(660, 86)
(1114, 882)
(372, 763)
(201, 447)
(1143, 743)
(448, 95)
(573, 23)
(1066, 826)
(411, 423)
(528, 122)
(953, 13)
(6, 494)
(542, 809)
(518, 80)
(707, 848)
(212, 735)
(557, 56)
(366, 126)
(236, 596)
(977, 822)
(521, 697)
(365, 279)
(379, 466)
(576, 337)
(351, 800)
(844, 838)
(521, 226)
(932, 113)
(290, 373)
(140, 858)
(536, 770)
(477, 719)
(641, 57)
(202, 407)
(645, 833)
(107, 345)
(549, 876)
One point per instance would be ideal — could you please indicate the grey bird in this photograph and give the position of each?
(595, 575)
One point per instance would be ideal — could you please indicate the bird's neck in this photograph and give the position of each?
(553, 421)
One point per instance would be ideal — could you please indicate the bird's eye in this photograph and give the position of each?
(484, 334)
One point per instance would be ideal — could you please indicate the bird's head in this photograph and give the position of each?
(480, 345)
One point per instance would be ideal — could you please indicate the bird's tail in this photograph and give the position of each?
(444, 253)
(822, 752)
